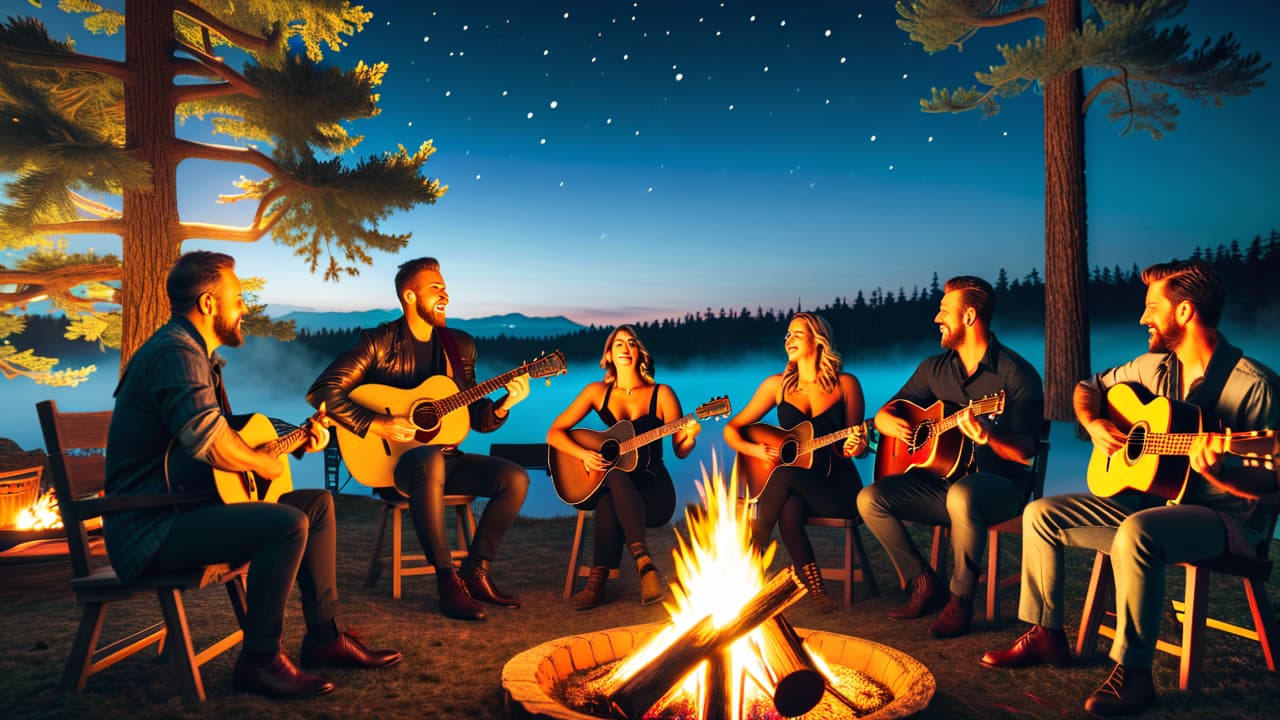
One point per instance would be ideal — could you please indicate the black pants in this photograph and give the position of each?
(627, 504)
(426, 474)
(793, 494)
(295, 537)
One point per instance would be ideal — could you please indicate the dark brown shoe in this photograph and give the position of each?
(1126, 691)
(346, 651)
(955, 619)
(455, 600)
(926, 597)
(1037, 646)
(277, 678)
(476, 575)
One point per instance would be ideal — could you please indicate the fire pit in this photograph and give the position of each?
(727, 651)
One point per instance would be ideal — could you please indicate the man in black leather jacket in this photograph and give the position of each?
(403, 354)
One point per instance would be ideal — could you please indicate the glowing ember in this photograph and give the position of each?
(40, 515)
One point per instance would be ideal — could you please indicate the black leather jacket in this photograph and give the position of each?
(385, 357)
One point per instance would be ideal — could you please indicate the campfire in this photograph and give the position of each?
(27, 516)
(39, 515)
(726, 653)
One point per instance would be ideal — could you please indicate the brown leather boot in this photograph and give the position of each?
(475, 573)
(455, 601)
(650, 580)
(1126, 691)
(811, 576)
(592, 594)
(926, 596)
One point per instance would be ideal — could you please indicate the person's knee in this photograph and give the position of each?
(960, 497)
(515, 481)
(1133, 540)
(870, 499)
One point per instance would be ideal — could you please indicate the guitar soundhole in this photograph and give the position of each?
(609, 451)
(425, 416)
(1133, 446)
(788, 452)
(920, 437)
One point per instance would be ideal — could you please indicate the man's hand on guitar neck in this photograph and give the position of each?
(856, 444)
(317, 432)
(517, 390)
(395, 429)
(977, 429)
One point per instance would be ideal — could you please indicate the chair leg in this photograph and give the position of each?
(79, 662)
(862, 563)
(239, 600)
(375, 560)
(1264, 622)
(937, 553)
(1191, 663)
(993, 576)
(574, 552)
(397, 543)
(1100, 584)
(180, 651)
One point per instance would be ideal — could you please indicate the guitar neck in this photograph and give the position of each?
(464, 398)
(1180, 443)
(824, 440)
(286, 443)
(657, 433)
(982, 407)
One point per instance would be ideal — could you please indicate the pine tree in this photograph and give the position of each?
(1142, 61)
(78, 125)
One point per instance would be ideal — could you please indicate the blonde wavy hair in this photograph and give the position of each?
(828, 357)
(645, 364)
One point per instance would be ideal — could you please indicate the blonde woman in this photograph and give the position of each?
(811, 388)
(627, 502)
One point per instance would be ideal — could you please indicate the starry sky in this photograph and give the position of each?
(616, 161)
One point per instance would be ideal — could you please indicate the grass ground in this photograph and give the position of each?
(452, 670)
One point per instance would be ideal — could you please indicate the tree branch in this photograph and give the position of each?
(114, 227)
(186, 149)
(204, 91)
(73, 61)
(33, 285)
(205, 19)
(94, 207)
(1035, 12)
(213, 67)
(267, 200)
(1101, 87)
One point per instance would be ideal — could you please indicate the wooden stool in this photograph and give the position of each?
(577, 568)
(857, 566)
(465, 522)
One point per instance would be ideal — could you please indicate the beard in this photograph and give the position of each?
(429, 313)
(951, 338)
(228, 332)
(1166, 339)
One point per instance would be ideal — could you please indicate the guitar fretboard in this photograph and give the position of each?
(1180, 443)
(825, 440)
(286, 443)
(657, 433)
(985, 406)
(466, 397)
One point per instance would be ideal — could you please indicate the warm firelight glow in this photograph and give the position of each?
(719, 572)
(40, 515)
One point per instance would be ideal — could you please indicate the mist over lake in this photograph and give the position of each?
(272, 377)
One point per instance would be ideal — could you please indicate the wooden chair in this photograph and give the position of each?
(857, 566)
(1253, 573)
(409, 564)
(77, 462)
(1004, 584)
(577, 568)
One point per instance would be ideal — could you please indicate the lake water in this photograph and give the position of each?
(272, 378)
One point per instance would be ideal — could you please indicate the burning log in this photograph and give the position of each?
(630, 697)
(718, 703)
(794, 683)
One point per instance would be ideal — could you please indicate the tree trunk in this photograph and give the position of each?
(150, 216)
(1066, 341)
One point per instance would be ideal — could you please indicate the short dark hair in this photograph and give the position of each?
(975, 293)
(1193, 281)
(407, 271)
(194, 274)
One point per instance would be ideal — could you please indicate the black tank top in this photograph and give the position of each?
(829, 421)
(650, 455)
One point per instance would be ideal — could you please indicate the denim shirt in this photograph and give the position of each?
(168, 386)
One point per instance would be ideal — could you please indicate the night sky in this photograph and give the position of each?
(634, 160)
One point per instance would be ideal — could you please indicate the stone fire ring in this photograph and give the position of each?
(529, 678)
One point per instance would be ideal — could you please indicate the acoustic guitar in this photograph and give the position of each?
(1155, 456)
(575, 484)
(437, 408)
(795, 449)
(933, 445)
(193, 476)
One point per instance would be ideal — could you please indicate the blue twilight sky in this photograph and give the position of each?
(618, 161)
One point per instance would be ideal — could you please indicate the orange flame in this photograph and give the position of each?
(40, 515)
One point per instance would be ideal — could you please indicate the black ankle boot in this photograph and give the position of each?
(455, 601)
(811, 576)
(650, 580)
(592, 595)
(475, 573)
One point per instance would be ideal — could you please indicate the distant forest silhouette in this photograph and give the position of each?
(865, 324)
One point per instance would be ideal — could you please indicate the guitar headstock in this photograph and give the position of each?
(715, 407)
(547, 365)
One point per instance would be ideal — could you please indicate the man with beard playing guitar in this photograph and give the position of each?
(989, 483)
(1189, 361)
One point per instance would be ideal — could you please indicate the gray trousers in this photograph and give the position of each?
(968, 506)
(1142, 536)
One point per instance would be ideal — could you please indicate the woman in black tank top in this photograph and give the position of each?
(627, 502)
(811, 388)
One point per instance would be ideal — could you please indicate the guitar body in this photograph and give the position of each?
(574, 483)
(232, 487)
(1137, 412)
(939, 454)
(372, 459)
(754, 473)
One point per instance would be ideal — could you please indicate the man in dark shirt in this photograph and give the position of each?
(402, 354)
(1219, 512)
(171, 398)
(991, 488)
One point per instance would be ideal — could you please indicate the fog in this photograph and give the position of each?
(272, 378)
